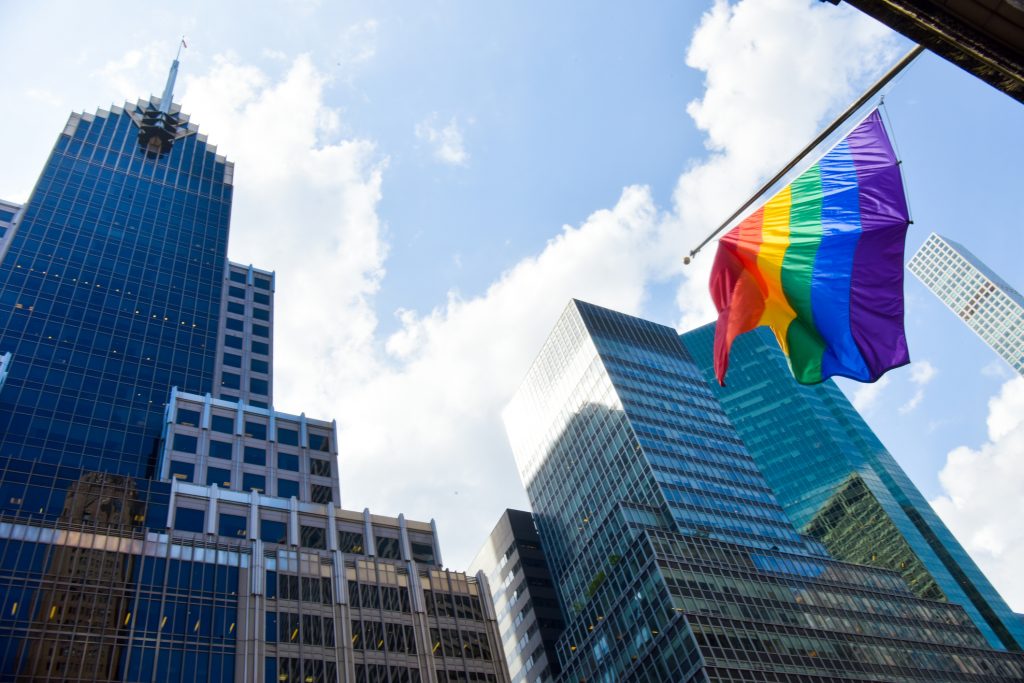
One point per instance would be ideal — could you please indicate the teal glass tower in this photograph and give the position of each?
(672, 558)
(840, 485)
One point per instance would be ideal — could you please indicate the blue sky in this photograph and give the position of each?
(433, 181)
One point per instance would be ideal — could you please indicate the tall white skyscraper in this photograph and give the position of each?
(982, 299)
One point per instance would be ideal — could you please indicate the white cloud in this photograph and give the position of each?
(44, 96)
(359, 42)
(983, 499)
(764, 99)
(997, 369)
(136, 72)
(445, 142)
(865, 396)
(921, 373)
(418, 412)
(433, 414)
(305, 206)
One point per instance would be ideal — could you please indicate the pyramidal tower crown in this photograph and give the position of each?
(160, 122)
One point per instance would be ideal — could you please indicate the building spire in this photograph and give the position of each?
(158, 127)
(172, 76)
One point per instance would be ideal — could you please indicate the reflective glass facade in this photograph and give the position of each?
(159, 520)
(986, 303)
(110, 293)
(839, 484)
(673, 559)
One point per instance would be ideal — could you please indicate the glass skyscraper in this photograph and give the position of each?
(159, 519)
(673, 559)
(986, 303)
(110, 292)
(840, 485)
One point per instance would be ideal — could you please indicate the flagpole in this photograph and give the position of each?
(832, 127)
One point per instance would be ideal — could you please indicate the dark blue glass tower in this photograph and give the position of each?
(110, 290)
(159, 519)
(839, 484)
(110, 295)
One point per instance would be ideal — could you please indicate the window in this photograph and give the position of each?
(312, 537)
(237, 292)
(234, 324)
(188, 417)
(236, 276)
(319, 442)
(260, 330)
(255, 456)
(259, 347)
(320, 468)
(350, 541)
(232, 525)
(185, 443)
(321, 494)
(288, 461)
(232, 360)
(260, 314)
(183, 471)
(423, 552)
(187, 519)
(232, 342)
(222, 424)
(262, 283)
(272, 531)
(256, 430)
(220, 449)
(236, 308)
(259, 386)
(288, 437)
(219, 476)
(230, 380)
(286, 488)
(388, 548)
(261, 298)
(254, 482)
(257, 365)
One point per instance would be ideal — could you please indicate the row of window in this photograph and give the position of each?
(453, 605)
(381, 673)
(241, 278)
(383, 636)
(251, 481)
(377, 597)
(252, 455)
(257, 297)
(308, 629)
(299, 588)
(237, 325)
(233, 360)
(233, 342)
(257, 313)
(294, 670)
(225, 424)
(273, 531)
(464, 644)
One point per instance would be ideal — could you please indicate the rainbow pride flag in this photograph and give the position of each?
(821, 263)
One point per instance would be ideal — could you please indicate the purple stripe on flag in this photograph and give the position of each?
(876, 289)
